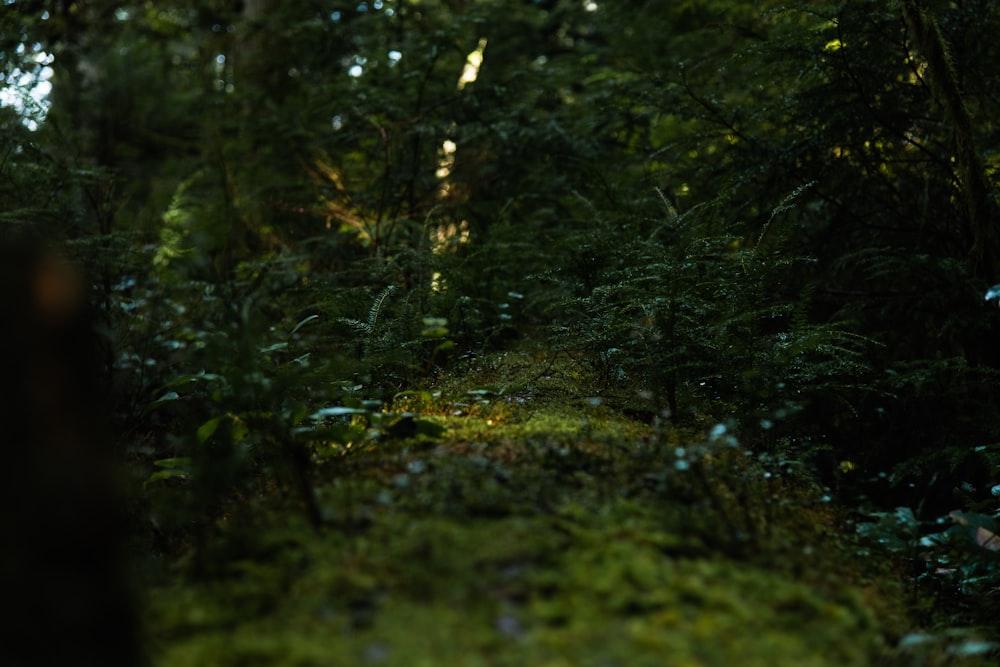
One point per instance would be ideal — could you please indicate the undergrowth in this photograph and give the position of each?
(541, 528)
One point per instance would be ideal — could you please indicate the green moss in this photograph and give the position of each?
(633, 606)
(439, 591)
(543, 531)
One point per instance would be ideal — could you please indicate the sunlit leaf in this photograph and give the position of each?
(435, 327)
(208, 429)
(178, 462)
(446, 345)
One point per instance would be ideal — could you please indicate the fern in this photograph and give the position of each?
(368, 327)
(702, 325)
(787, 204)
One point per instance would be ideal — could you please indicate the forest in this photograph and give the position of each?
(500, 333)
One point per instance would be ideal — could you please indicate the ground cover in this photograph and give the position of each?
(542, 528)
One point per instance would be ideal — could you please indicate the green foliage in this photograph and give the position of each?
(544, 537)
(843, 102)
(701, 324)
(240, 409)
(251, 414)
(294, 217)
(955, 559)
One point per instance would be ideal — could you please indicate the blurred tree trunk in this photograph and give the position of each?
(61, 561)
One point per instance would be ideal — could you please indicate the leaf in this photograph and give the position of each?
(973, 647)
(166, 474)
(296, 412)
(177, 462)
(208, 429)
(196, 377)
(987, 539)
(443, 347)
(336, 411)
(984, 528)
(168, 397)
(357, 325)
(905, 517)
(435, 327)
(302, 360)
(376, 308)
(491, 390)
(916, 639)
(302, 324)
(174, 468)
(240, 430)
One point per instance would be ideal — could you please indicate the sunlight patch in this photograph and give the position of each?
(472, 64)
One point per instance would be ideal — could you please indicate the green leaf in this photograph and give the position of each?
(336, 411)
(435, 327)
(166, 474)
(194, 377)
(168, 397)
(177, 462)
(206, 430)
(444, 346)
(491, 390)
(174, 468)
(302, 324)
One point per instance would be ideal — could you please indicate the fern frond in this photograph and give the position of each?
(357, 325)
(787, 204)
(376, 308)
(671, 209)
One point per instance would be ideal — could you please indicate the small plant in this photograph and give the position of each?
(396, 344)
(954, 559)
(357, 421)
(374, 337)
(249, 418)
(236, 423)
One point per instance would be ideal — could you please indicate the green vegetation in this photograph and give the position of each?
(545, 332)
(537, 532)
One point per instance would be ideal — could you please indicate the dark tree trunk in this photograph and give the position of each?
(61, 566)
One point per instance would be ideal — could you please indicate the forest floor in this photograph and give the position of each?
(543, 528)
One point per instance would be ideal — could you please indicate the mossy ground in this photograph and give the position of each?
(542, 529)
